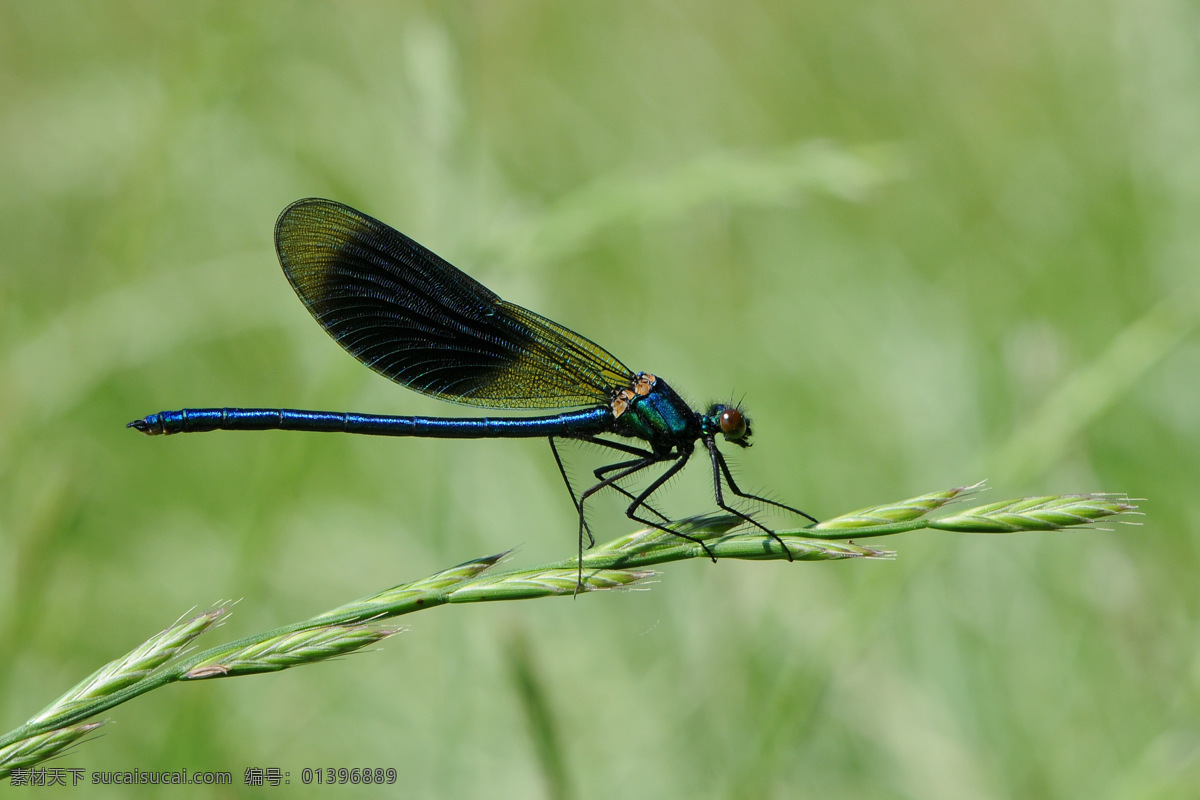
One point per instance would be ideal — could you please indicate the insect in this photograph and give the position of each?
(416, 319)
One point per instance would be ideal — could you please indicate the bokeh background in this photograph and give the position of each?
(928, 242)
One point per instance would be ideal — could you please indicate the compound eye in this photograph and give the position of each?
(733, 423)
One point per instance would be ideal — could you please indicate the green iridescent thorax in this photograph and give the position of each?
(652, 411)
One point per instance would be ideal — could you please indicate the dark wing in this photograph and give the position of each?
(413, 317)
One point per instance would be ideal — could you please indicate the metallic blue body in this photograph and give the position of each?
(589, 422)
(660, 418)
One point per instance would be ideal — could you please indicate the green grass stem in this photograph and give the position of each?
(620, 563)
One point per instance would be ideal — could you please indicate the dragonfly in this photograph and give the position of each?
(414, 318)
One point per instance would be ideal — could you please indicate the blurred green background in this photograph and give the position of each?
(929, 242)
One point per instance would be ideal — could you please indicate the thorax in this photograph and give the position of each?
(649, 409)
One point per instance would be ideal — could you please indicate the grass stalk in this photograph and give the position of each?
(162, 659)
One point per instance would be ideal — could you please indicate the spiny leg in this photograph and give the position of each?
(640, 502)
(721, 468)
(562, 470)
(720, 461)
(622, 470)
(627, 468)
(584, 528)
(600, 472)
(611, 445)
